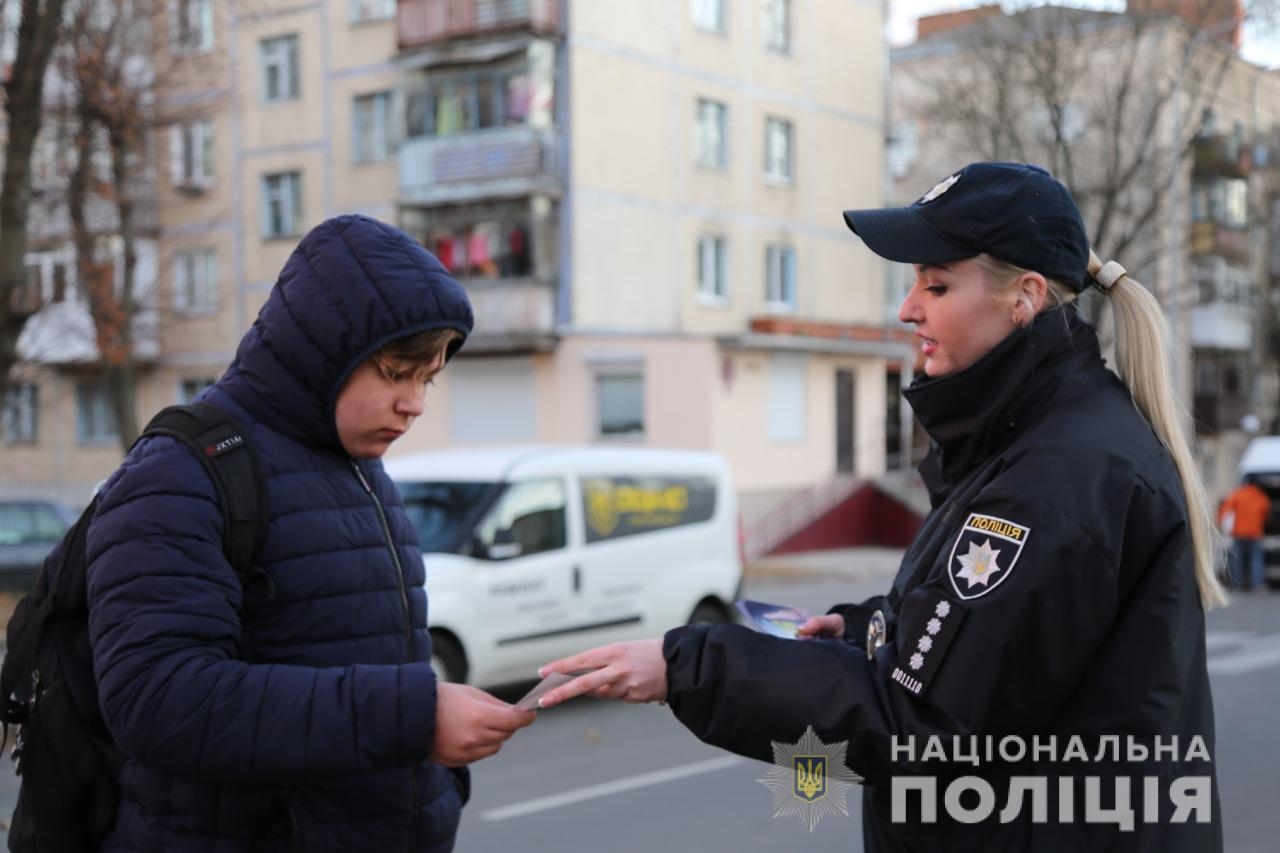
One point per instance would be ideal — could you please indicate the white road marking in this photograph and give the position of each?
(1256, 653)
(1218, 640)
(605, 789)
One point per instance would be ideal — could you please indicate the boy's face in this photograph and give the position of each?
(377, 405)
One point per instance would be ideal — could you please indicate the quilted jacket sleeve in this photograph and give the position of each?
(998, 663)
(164, 628)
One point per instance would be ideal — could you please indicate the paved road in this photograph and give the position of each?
(621, 778)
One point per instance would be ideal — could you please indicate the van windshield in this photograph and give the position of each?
(444, 514)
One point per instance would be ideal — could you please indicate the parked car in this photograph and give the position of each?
(535, 553)
(1261, 460)
(28, 531)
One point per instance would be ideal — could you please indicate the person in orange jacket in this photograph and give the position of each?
(1243, 516)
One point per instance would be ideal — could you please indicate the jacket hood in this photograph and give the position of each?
(352, 285)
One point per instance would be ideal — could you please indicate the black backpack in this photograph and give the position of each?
(64, 756)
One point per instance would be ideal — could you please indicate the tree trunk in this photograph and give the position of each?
(37, 36)
(124, 389)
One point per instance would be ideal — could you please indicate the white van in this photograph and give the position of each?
(1261, 461)
(534, 553)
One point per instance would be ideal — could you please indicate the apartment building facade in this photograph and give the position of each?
(642, 200)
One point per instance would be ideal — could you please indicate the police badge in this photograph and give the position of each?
(809, 778)
(984, 554)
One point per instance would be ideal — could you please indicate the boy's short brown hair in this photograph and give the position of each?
(423, 353)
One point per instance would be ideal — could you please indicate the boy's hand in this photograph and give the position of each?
(471, 724)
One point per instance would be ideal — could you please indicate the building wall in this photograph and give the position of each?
(640, 201)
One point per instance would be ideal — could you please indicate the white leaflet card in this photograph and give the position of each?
(529, 702)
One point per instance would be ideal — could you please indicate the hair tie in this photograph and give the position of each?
(1110, 273)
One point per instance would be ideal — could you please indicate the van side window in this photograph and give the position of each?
(528, 519)
(620, 506)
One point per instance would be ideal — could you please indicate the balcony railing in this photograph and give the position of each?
(427, 22)
(1208, 238)
(1222, 326)
(498, 163)
(1222, 155)
(510, 313)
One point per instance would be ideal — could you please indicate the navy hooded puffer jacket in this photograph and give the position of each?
(320, 743)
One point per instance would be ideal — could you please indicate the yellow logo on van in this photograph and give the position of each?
(609, 503)
(601, 516)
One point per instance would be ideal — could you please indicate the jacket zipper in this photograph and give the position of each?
(408, 631)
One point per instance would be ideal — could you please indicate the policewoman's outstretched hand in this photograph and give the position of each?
(634, 671)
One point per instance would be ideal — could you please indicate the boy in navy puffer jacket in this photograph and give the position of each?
(335, 734)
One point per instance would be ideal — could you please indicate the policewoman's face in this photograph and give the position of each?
(958, 319)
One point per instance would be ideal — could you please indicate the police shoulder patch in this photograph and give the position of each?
(984, 554)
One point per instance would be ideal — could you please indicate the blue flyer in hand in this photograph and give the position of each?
(774, 619)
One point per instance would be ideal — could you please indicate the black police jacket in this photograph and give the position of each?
(1045, 632)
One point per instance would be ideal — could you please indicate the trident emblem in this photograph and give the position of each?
(811, 776)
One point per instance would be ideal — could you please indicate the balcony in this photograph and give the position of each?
(62, 334)
(1222, 326)
(421, 23)
(504, 162)
(511, 314)
(1221, 155)
(1208, 238)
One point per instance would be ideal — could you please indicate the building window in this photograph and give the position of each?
(461, 103)
(620, 404)
(902, 148)
(713, 278)
(282, 205)
(713, 137)
(192, 28)
(191, 156)
(191, 388)
(372, 10)
(279, 68)
(1222, 201)
(778, 137)
(371, 120)
(777, 26)
(1064, 124)
(95, 418)
(21, 414)
(788, 397)
(780, 278)
(195, 282)
(709, 15)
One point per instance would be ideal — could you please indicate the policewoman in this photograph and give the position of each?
(1053, 600)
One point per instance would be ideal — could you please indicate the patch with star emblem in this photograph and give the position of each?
(984, 554)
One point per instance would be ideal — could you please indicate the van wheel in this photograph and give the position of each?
(447, 659)
(708, 611)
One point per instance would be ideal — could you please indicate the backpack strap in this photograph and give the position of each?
(223, 448)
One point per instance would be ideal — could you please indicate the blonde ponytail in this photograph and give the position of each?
(1142, 361)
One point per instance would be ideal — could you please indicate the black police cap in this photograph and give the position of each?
(1015, 212)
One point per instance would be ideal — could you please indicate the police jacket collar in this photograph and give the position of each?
(974, 413)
